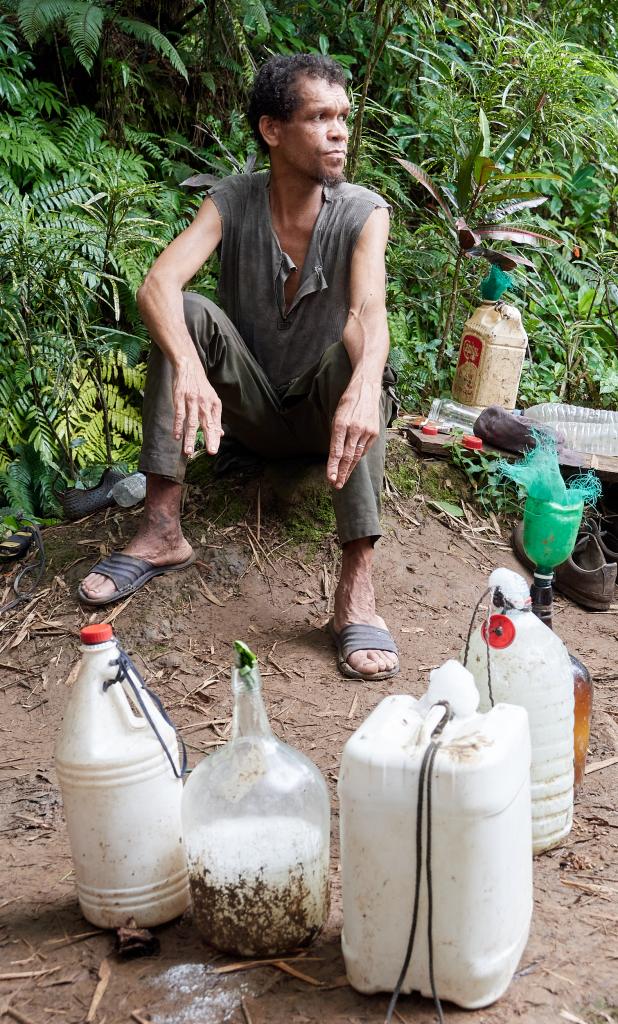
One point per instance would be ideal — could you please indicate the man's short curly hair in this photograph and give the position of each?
(274, 89)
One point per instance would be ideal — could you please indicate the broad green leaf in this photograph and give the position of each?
(448, 507)
(485, 132)
(483, 169)
(584, 301)
(464, 174)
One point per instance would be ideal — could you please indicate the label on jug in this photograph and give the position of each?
(471, 350)
(465, 385)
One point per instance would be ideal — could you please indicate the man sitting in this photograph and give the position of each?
(295, 358)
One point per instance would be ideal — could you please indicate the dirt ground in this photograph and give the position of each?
(258, 585)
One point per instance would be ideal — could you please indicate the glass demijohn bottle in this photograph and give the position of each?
(256, 820)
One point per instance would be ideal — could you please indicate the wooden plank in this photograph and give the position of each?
(438, 446)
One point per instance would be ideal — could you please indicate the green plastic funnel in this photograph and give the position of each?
(550, 531)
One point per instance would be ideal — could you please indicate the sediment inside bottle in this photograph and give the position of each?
(259, 885)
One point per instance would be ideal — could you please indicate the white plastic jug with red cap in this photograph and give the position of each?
(516, 658)
(118, 766)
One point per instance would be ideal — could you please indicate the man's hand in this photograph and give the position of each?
(196, 404)
(355, 426)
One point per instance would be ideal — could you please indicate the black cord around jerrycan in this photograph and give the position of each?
(425, 773)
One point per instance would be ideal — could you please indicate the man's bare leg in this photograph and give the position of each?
(159, 538)
(355, 603)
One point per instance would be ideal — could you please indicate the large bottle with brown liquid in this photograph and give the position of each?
(541, 593)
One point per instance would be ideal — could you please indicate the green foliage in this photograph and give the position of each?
(106, 106)
(83, 22)
(493, 491)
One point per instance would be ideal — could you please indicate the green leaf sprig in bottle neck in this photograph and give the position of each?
(249, 717)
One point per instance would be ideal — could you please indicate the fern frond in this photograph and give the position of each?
(84, 23)
(150, 36)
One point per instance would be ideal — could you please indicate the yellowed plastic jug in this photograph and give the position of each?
(118, 767)
(491, 357)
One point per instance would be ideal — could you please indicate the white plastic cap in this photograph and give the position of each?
(454, 683)
(512, 586)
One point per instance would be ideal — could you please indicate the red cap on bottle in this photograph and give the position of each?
(430, 428)
(98, 633)
(471, 441)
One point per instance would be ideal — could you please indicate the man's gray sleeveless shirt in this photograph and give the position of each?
(253, 271)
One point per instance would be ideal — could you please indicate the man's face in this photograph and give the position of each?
(315, 139)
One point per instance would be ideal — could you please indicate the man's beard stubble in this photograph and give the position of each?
(331, 180)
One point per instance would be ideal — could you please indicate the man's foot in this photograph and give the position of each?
(355, 604)
(159, 539)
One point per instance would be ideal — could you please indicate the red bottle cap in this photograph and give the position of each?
(471, 441)
(501, 632)
(98, 633)
(430, 428)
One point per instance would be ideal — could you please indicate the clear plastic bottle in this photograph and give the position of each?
(594, 431)
(130, 490)
(449, 413)
(256, 820)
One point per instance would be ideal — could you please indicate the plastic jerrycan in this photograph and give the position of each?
(530, 666)
(121, 796)
(492, 350)
(481, 859)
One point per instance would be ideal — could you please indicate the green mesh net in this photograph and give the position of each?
(539, 474)
(496, 282)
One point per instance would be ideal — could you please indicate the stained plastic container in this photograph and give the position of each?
(121, 796)
(481, 860)
(256, 818)
(531, 667)
(491, 357)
